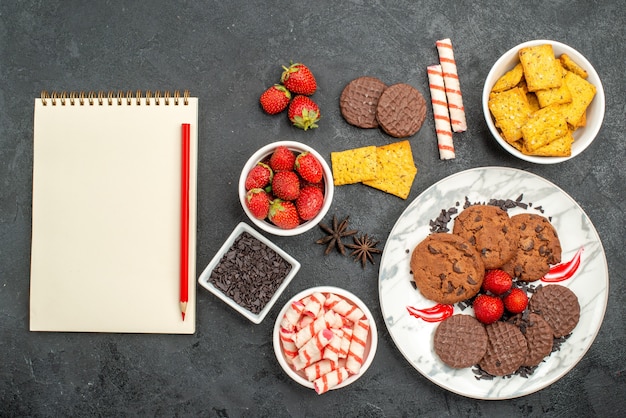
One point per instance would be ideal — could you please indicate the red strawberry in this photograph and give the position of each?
(283, 214)
(258, 202)
(259, 177)
(516, 301)
(320, 185)
(286, 185)
(275, 99)
(497, 282)
(303, 112)
(309, 168)
(282, 159)
(309, 202)
(488, 309)
(299, 79)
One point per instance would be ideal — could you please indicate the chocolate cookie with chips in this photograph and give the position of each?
(446, 268)
(490, 230)
(538, 247)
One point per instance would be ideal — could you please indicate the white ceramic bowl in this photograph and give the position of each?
(370, 345)
(584, 136)
(204, 279)
(263, 153)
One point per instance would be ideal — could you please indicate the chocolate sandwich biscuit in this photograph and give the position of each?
(539, 336)
(559, 306)
(401, 110)
(506, 349)
(460, 341)
(359, 100)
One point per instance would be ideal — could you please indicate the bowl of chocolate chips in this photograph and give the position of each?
(249, 273)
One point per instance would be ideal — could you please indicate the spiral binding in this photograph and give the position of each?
(100, 98)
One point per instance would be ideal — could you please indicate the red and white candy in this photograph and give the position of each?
(357, 346)
(452, 85)
(312, 351)
(305, 333)
(343, 307)
(330, 380)
(328, 347)
(440, 112)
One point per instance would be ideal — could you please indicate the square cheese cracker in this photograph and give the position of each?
(570, 65)
(543, 127)
(583, 93)
(353, 165)
(510, 110)
(540, 67)
(557, 95)
(561, 147)
(509, 80)
(395, 171)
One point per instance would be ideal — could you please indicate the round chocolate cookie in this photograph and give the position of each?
(539, 336)
(538, 247)
(489, 229)
(559, 306)
(460, 341)
(446, 268)
(506, 349)
(401, 110)
(359, 99)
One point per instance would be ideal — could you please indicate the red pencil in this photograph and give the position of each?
(184, 222)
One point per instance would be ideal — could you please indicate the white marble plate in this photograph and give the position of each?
(413, 336)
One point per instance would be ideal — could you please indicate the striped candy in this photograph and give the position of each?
(312, 351)
(329, 347)
(452, 85)
(357, 346)
(343, 307)
(330, 380)
(440, 112)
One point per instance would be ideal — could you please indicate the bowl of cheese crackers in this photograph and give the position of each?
(543, 102)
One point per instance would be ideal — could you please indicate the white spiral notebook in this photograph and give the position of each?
(106, 216)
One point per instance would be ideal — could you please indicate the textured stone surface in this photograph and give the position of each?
(227, 53)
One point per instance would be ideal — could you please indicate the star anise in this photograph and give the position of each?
(335, 234)
(364, 249)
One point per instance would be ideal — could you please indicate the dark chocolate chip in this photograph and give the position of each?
(250, 273)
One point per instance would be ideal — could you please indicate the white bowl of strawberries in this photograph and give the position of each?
(286, 188)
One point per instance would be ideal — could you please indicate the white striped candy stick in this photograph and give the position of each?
(331, 351)
(345, 342)
(357, 346)
(312, 351)
(306, 333)
(315, 303)
(290, 320)
(452, 84)
(330, 380)
(289, 347)
(319, 369)
(343, 307)
(440, 112)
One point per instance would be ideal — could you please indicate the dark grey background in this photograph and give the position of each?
(226, 53)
